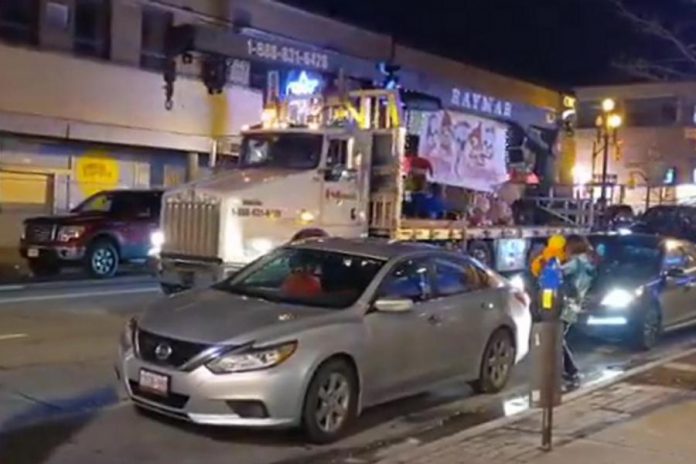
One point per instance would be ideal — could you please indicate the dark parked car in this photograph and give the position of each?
(669, 220)
(645, 285)
(105, 230)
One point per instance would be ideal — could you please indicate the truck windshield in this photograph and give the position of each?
(318, 278)
(281, 150)
(97, 203)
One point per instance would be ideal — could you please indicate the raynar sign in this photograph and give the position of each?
(481, 103)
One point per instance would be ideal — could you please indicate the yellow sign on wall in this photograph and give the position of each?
(96, 171)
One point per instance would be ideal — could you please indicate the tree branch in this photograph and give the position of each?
(655, 28)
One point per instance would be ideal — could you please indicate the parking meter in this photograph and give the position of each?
(547, 348)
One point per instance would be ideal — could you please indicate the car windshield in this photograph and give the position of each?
(627, 256)
(281, 150)
(98, 203)
(306, 277)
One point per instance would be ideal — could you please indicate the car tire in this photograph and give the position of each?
(332, 396)
(169, 289)
(648, 329)
(102, 259)
(496, 363)
(43, 267)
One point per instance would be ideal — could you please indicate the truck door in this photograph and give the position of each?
(344, 192)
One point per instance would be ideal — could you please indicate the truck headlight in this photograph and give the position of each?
(618, 298)
(157, 239)
(260, 246)
(253, 359)
(67, 233)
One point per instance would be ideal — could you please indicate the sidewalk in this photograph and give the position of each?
(647, 418)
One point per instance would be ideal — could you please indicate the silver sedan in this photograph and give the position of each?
(315, 332)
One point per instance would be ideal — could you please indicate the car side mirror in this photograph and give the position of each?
(393, 305)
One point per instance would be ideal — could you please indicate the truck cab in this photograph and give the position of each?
(290, 181)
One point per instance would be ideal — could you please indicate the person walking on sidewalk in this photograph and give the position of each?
(578, 275)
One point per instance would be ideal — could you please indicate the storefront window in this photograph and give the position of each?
(19, 21)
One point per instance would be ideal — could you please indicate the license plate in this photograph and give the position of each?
(33, 252)
(154, 383)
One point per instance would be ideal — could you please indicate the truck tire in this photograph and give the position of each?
(102, 259)
(43, 267)
(482, 252)
(309, 233)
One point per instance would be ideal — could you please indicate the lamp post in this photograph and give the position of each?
(608, 123)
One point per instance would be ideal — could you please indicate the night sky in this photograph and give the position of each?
(561, 43)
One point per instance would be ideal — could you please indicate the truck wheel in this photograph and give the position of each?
(169, 289)
(43, 268)
(102, 259)
(481, 251)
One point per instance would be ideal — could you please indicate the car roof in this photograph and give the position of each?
(369, 247)
(643, 239)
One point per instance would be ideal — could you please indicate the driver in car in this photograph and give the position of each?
(302, 281)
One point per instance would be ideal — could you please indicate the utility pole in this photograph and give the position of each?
(608, 123)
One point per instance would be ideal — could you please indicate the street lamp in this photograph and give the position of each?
(608, 124)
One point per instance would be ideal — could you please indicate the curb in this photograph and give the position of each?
(480, 429)
(116, 281)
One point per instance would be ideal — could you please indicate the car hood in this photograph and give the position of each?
(67, 219)
(213, 317)
(606, 283)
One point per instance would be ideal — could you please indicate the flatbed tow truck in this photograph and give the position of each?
(339, 172)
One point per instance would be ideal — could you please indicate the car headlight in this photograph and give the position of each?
(67, 233)
(619, 298)
(128, 335)
(253, 359)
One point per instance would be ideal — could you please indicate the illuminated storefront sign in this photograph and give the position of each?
(303, 86)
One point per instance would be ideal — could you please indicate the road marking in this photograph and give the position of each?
(5, 337)
(11, 288)
(73, 296)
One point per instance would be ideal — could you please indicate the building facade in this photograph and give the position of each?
(655, 161)
(83, 105)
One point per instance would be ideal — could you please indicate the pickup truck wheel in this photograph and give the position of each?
(102, 259)
(43, 268)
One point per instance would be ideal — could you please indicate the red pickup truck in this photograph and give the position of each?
(107, 229)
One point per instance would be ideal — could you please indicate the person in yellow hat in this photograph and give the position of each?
(555, 248)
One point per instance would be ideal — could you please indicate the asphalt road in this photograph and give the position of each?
(59, 402)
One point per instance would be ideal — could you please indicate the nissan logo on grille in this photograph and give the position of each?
(163, 351)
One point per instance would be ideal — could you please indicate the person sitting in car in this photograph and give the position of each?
(302, 281)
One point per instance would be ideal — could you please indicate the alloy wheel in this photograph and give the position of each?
(333, 403)
(499, 360)
(103, 261)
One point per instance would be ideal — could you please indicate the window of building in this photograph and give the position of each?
(156, 23)
(19, 21)
(92, 28)
(649, 112)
